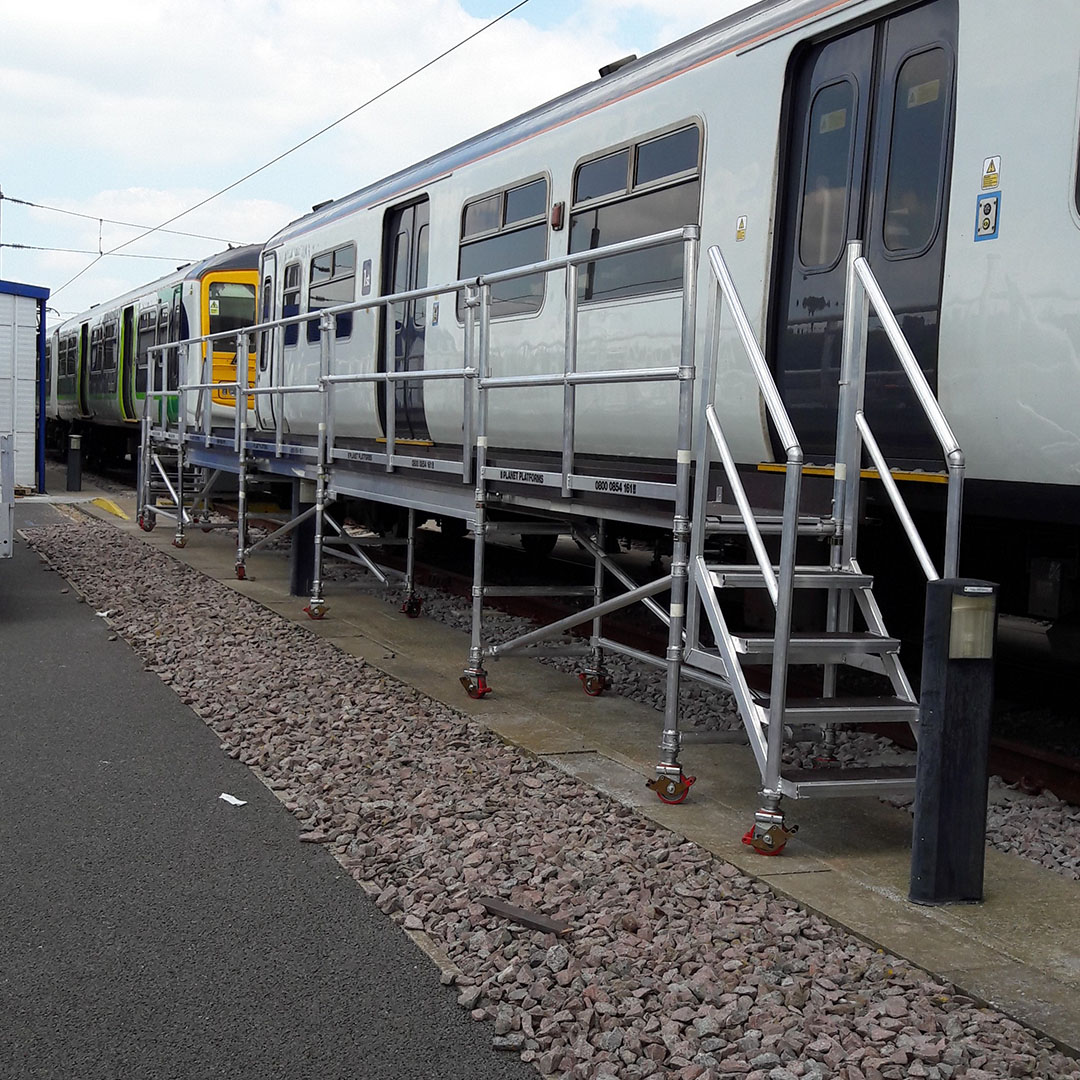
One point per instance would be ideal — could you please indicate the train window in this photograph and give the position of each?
(48, 363)
(604, 176)
(516, 236)
(95, 349)
(420, 306)
(917, 151)
(333, 282)
(481, 216)
(826, 180)
(232, 307)
(663, 194)
(666, 156)
(147, 336)
(527, 201)
(290, 301)
(108, 347)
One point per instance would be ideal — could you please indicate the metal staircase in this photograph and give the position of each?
(852, 631)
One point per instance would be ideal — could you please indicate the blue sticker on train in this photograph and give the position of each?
(987, 216)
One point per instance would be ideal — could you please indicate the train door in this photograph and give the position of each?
(267, 342)
(869, 137)
(405, 259)
(177, 332)
(84, 370)
(127, 363)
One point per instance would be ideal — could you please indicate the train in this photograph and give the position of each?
(941, 134)
(97, 361)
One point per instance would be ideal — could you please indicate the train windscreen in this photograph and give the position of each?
(232, 307)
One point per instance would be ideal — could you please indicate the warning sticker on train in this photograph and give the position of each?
(740, 228)
(991, 174)
(987, 214)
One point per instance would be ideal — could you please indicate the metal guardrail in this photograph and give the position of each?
(861, 277)
(780, 585)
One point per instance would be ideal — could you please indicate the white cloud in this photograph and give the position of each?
(121, 109)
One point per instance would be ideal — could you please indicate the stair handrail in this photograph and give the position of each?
(954, 455)
(780, 591)
(773, 403)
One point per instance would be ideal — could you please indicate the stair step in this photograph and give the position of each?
(816, 647)
(847, 710)
(725, 519)
(869, 780)
(806, 577)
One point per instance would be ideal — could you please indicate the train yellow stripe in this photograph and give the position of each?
(865, 474)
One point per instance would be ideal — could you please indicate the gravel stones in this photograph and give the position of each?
(677, 965)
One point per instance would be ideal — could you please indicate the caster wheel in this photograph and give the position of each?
(206, 527)
(594, 684)
(179, 542)
(316, 609)
(241, 572)
(475, 686)
(147, 521)
(672, 791)
(412, 607)
(772, 841)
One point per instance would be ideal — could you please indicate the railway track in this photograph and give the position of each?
(1031, 767)
(447, 567)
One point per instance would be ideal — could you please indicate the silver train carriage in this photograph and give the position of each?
(97, 364)
(942, 135)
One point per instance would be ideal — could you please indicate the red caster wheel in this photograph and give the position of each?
(772, 841)
(412, 607)
(593, 683)
(179, 542)
(147, 521)
(316, 609)
(672, 791)
(241, 572)
(475, 686)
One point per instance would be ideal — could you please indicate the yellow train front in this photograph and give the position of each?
(99, 360)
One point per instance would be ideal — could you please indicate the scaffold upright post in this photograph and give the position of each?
(474, 677)
(595, 678)
(316, 607)
(180, 540)
(671, 783)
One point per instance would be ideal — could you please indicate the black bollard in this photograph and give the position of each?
(74, 463)
(948, 849)
(302, 550)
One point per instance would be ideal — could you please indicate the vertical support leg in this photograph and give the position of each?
(180, 540)
(595, 678)
(316, 607)
(301, 551)
(474, 678)
(241, 512)
(413, 603)
(671, 785)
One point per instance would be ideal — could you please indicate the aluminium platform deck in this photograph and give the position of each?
(1019, 950)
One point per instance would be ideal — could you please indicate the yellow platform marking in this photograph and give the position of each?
(111, 507)
(865, 474)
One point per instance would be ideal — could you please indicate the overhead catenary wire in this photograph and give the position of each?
(303, 142)
(101, 254)
(113, 221)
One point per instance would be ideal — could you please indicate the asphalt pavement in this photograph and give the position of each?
(149, 929)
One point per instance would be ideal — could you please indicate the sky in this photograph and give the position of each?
(136, 110)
